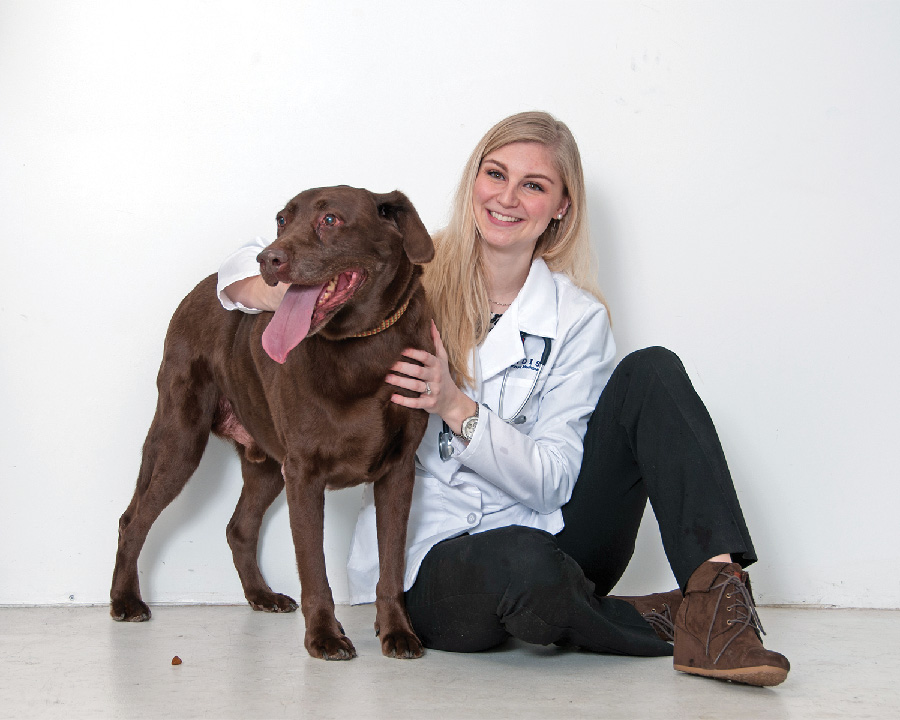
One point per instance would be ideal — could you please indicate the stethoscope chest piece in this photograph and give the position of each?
(445, 446)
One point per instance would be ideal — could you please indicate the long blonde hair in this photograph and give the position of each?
(455, 279)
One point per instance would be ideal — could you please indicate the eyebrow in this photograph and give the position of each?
(506, 170)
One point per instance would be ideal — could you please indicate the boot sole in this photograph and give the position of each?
(761, 676)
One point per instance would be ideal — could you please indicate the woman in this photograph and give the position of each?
(540, 455)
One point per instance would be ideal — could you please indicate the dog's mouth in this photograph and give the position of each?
(305, 309)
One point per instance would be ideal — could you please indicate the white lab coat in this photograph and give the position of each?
(510, 474)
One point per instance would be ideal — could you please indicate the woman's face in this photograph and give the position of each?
(517, 192)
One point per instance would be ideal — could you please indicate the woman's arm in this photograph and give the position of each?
(253, 293)
(241, 287)
(537, 469)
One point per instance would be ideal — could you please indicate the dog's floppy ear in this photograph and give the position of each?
(416, 240)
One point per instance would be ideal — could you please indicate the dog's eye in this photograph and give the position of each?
(330, 220)
(383, 210)
(281, 221)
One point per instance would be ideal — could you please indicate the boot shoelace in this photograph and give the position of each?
(733, 587)
(662, 622)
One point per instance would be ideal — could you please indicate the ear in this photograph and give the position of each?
(416, 241)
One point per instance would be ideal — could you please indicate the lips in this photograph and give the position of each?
(503, 218)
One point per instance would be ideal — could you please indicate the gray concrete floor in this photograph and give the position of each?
(75, 662)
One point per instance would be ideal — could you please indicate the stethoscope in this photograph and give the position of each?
(445, 448)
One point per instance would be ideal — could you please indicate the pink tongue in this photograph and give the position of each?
(291, 321)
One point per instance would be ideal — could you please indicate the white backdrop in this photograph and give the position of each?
(742, 168)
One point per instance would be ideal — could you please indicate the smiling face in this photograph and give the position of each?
(517, 192)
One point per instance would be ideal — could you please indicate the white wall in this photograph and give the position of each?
(742, 167)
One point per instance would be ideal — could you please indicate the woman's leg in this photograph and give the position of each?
(473, 592)
(652, 436)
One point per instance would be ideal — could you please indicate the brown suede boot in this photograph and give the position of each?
(717, 630)
(658, 609)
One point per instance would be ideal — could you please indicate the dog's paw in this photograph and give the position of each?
(129, 609)
(329, 647)
(272, 602)
(402, 645)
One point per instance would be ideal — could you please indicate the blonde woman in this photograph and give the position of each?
(541, 452)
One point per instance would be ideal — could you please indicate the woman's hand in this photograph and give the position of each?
(252, 292)
(438, 393)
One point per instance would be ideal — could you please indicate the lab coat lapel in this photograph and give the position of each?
(534, 312)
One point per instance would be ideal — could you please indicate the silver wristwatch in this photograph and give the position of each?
(467, 430)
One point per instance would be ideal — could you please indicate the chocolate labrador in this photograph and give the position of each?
(302, 394)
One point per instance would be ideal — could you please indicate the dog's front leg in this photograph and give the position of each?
(306, 508)
(393, 494)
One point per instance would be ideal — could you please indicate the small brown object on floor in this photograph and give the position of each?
(176, 660)
(302, 395)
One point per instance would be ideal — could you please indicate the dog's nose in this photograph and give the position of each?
(273, 259)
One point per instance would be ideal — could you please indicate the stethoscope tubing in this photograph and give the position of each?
(444, 446)
(516, 418)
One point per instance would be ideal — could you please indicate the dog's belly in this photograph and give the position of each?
(340, 449)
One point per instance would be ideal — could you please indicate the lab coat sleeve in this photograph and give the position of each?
(237, 266)
(539, 469)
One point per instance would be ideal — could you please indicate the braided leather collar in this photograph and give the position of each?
(385, 324)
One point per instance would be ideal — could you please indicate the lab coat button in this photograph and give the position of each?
(471, 519)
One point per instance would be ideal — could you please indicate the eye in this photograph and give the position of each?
(329, 220)
(534, 186)
(281, 221)
(496, 174)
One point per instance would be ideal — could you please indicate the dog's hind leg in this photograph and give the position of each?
(172, 451)
(262, 484)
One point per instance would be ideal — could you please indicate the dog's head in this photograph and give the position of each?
(348, 255)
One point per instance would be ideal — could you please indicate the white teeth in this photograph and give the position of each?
(503, 218)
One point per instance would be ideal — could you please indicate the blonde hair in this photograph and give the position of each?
(455, 279)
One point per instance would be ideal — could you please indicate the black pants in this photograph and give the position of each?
(650, 436)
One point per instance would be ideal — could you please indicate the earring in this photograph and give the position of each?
(559, 217)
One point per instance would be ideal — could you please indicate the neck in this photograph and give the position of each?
(505, 275)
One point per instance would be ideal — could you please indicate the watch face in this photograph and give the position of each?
(468, 427)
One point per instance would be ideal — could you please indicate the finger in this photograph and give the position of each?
(421, 356)
(439, 349)
(416, 371)
(406, 383)
(410, 402)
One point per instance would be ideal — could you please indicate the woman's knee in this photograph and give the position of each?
(546, 590)
(499, 577)
(656, 357)
(538, 568)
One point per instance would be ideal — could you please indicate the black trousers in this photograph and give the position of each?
(649, 437)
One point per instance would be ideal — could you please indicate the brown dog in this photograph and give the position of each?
(313, 413)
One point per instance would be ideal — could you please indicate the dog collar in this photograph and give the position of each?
(385, 324)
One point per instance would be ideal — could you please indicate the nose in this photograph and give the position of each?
(509, 196)
(273, 261)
